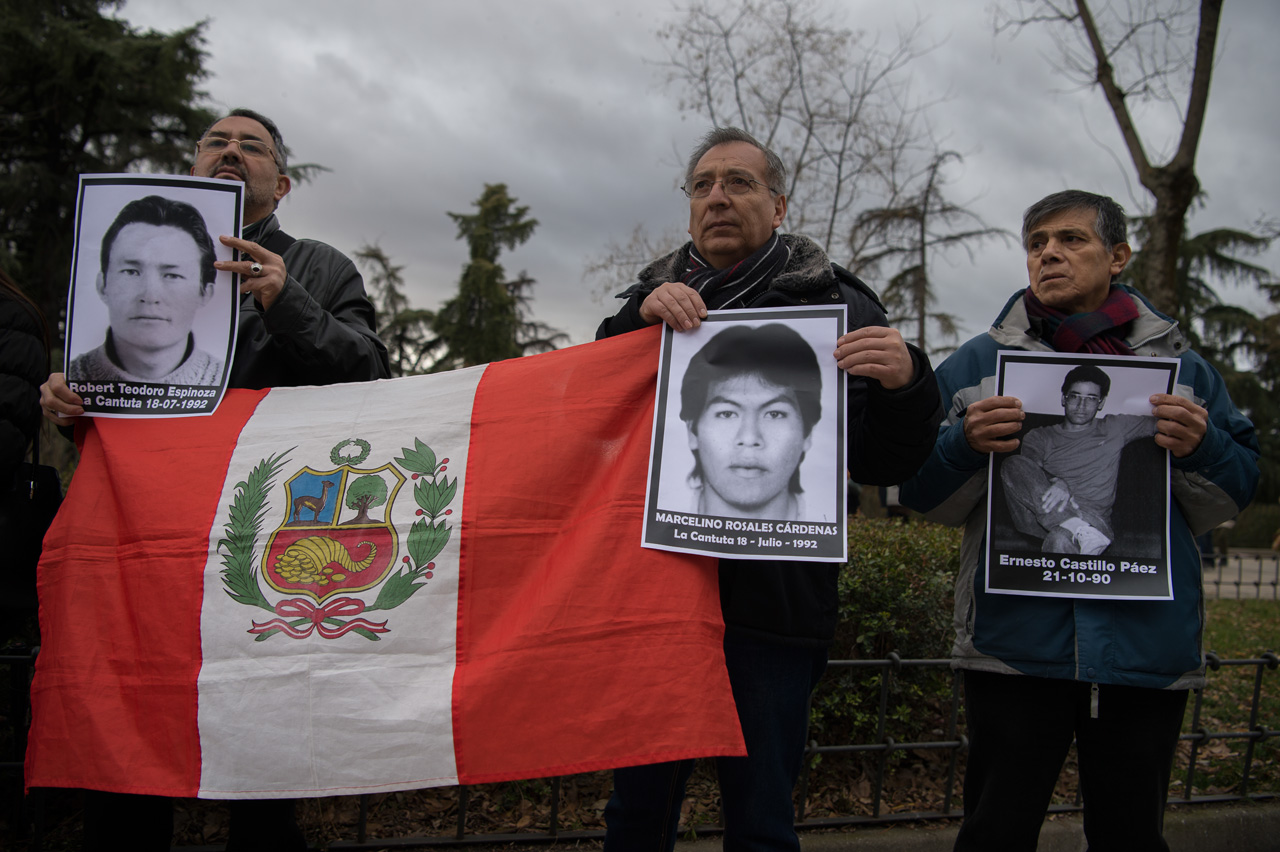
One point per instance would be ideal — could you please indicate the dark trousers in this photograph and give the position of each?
(115, 821)
(1020, 728)
(771, 685)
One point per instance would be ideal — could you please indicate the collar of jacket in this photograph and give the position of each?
(1153, 334)
(808, 270)
(260, 230)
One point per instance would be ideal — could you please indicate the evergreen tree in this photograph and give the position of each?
(83, 92)
(486, 321)
(1243, 347)
(405, 330)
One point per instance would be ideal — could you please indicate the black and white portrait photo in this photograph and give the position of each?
(746, 459)
(1080, 509)
(151, 321)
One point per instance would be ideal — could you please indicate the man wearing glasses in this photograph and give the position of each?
(779, 617)
(304, 316)
(304, 320)
(1040, 671)
(1062, 487)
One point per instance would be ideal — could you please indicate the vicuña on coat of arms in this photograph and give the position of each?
(335, 538)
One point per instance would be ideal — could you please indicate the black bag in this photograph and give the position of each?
(27, 508)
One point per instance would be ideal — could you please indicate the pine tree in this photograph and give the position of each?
(486, 321)
(84, 92)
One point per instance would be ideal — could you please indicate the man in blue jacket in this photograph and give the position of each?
(1039, 671)
(779, 616)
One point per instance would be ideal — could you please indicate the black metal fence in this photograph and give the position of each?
(1203, 751)
(1243, 575)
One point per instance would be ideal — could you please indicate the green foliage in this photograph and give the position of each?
(84, 92)
(1256, 526)
(486, 321)
(895, 595)
(366, 492)
(426, 540)
(434, 497)
(427, 537)
(1243, 347)
(248, 508)
(405, 329)
(420, 460)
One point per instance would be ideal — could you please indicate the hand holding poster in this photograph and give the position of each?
(1081, 508)
(748, 450)
(151, 322)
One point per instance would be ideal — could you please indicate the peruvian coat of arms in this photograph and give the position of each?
(334, 538)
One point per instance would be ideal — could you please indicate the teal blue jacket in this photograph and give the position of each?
(1135, 643)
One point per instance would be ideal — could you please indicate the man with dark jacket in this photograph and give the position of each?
(1040, 671)
(304, 320)
(779, 617)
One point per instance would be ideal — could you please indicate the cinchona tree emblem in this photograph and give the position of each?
(334, 540)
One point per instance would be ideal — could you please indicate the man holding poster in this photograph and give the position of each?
(304, 320)
(779, 616)
(1041, 670)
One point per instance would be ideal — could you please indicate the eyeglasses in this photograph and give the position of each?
(1077, 398)
(701, 187)
(248, 147)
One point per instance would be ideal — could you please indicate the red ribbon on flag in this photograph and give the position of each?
(316, 616)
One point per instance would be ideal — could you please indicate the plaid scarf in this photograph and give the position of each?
(736, 285)
(1100, 332)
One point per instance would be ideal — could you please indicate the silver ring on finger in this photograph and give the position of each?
(255, 269)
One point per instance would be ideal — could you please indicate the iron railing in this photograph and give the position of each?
(881, 747)
(1243, 575)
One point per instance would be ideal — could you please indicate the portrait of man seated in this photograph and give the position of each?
(1061, 488)
(749, 401)
(156, 274)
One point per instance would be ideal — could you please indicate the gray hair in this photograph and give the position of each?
(277, 141)
(1109, 224)
(775, 171)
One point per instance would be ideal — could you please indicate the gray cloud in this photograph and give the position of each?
(416, 105)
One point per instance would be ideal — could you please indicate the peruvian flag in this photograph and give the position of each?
(372, 587)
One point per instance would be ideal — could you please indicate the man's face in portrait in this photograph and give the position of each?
(152, 286)
(1082, 402)
(1069, 266)
(726, 227)
(749, 438)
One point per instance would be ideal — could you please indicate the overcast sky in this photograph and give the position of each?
(416, 105)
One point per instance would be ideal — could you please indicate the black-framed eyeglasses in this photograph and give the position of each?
(736, 185)
(248, 147)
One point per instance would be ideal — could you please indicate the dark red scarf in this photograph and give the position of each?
(1100, 332)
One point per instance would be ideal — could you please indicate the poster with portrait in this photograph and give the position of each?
(1081, 508)
(151, 324)
(748, 453)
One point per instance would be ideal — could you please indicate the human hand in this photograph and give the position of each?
(266, 284)
(1180, 424)
(988, 423)
(676, 304)
(1055, 498)
(58, 402)
(876, 352)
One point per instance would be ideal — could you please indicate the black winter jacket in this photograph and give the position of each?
(319, 331)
